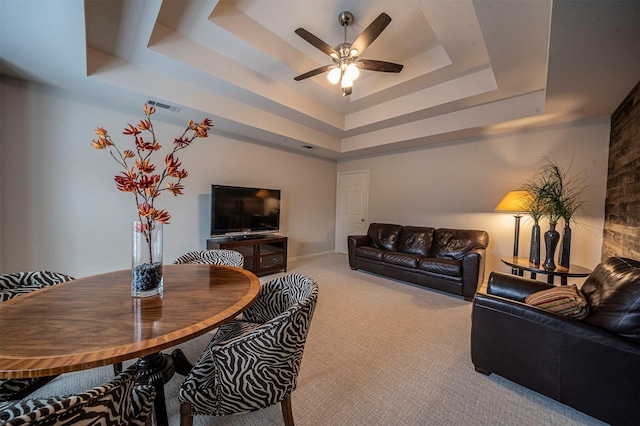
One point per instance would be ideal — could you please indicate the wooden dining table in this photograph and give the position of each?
(94, 321)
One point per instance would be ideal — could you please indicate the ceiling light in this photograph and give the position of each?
(334, 75)
(345, 55)
(351, 72)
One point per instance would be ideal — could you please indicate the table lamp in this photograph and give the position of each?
(515, 202)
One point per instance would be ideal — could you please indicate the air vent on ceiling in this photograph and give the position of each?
(307, 146)
(163, 106)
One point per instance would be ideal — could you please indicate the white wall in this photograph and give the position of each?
(60, 209)
(457, 185)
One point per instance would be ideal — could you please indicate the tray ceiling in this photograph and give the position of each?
(470, 68)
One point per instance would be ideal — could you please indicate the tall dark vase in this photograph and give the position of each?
(565, 248)
(534, 252)
(551, 238)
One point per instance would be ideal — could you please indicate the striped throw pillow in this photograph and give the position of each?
(565, 300)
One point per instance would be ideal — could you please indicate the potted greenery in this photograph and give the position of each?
(555, 194)
(535, 208)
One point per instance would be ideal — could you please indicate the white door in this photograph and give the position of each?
(352, 207)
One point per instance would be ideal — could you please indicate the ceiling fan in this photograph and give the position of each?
(346, 61)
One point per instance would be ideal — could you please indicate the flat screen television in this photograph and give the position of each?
(238, 210)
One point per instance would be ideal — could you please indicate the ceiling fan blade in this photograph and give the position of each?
(370, 33)
(382, 66)
(314, 72)
(316, 42)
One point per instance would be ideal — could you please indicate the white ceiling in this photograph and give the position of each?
(470, 67)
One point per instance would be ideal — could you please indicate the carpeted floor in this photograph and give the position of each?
(379, 352)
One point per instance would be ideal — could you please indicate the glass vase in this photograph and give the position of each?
(146, 259)
(551, 238)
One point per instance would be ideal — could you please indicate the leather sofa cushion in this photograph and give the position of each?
(416, 240)
(368, 252)
(384, 235)
(455, 243)
(613, 293)
(407, 260)
(441, 265)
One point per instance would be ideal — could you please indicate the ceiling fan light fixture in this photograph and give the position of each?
(345, 67)
(352, 72)
(334, 75)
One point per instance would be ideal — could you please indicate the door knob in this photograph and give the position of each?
(362, 220)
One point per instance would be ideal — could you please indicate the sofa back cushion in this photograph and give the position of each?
(384, 235)
(613, 293)
(455, 243)
(415, 240)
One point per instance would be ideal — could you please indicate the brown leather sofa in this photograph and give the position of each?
(450, 260)
(592, 365)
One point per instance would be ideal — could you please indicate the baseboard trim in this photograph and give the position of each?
(308, 256)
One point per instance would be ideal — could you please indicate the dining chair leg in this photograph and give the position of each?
(186, 418)
(287, 414)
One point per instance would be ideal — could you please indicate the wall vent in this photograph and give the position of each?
(163, 106)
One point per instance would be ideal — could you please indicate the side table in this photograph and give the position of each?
(522, 264)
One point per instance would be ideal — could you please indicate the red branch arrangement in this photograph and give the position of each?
(141, 178)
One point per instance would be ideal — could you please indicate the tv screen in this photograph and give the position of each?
(237, 209)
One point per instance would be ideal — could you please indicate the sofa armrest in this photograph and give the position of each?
(354, 241)
(472, 272)
(513, 287)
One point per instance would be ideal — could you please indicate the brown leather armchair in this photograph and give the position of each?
(592, 365)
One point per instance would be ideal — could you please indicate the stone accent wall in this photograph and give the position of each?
(622, 207)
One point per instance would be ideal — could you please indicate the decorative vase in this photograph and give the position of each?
(565, 248)
(146, 260)
(551, 238)
(534, 252)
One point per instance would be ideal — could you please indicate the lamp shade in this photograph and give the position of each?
(514, 202)
(334, 75)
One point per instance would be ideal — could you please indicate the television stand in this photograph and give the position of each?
(263, 254)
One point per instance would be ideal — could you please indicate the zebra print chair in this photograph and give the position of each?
(253, 363)
(119, 402)
(213, 257)
(14, 285)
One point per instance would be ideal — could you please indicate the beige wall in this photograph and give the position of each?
(61, 210)
(458, 185)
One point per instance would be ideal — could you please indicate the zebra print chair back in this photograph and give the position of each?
(13, 285)
(254, 362)
(213, 257)
(119, 402)
(18, 283)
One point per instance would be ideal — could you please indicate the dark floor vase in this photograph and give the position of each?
(551, 238)
(534, 252)
(565, 248)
